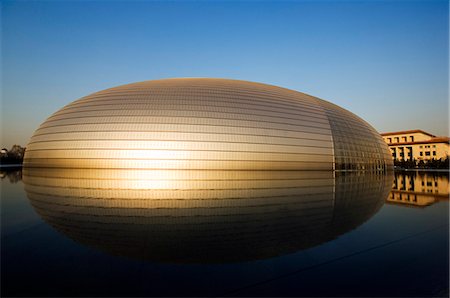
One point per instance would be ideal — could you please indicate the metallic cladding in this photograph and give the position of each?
(205, 124)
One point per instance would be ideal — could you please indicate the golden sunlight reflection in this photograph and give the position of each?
(181, 216)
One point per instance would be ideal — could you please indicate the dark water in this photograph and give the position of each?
(194, 233)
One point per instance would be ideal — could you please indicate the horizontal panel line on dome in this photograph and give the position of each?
(181, 159)
(287, 144)
(312, 109)
(180, 179)
(183, 190)
(285, 95)
(201, 130)
(160, 101)
(92, 134)
(179, 195)
(171, 194)
(192, 123)
(165, 203)
(311, 201)
(158, 112)
(173, 156)
(183, 150)
(190, 120)
(187, 227)
(190, 107)
(196, 195)
(319, 198)
(121, 124)
(269, 102)
(236, 85)
(235, 165)
(193, 222)
(78, 167)
(311, 205)
(204, 212)
(108, 152)
(223, 174)
(131, 110)
(325, 142)
(202, 219)
(185, 159)
(287, 224)
(176, 163)
(319, 189)
(183, 209)
(155, 200)
(199, 138)
(187, 184)
(186, 99)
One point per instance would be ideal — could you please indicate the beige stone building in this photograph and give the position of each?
(416, 144)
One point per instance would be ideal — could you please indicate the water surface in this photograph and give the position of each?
(223, 233)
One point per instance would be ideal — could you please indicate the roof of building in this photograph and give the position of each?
(430, 141)
(406, 132)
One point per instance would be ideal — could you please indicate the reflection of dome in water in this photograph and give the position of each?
(203, 216)
(205, 124)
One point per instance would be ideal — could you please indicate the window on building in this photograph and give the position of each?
(434, 153)
(427, 153)
(397, 140)
(411, 138)
(389, 140)
(434, 146)
(420, 147)
(404, 139)
(421, 153)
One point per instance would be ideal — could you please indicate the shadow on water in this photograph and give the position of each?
(204, 216)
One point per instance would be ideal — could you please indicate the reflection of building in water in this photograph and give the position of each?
(418, 188)
(203, 216)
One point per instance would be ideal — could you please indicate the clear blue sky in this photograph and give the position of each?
(386, 61)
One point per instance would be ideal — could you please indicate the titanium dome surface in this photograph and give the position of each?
(215, 124)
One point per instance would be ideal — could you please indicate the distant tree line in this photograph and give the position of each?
(422, 164)
(13, 156)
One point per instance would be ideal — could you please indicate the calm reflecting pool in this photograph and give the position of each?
(223, 233)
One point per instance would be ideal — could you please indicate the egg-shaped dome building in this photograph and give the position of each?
(207, 124)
